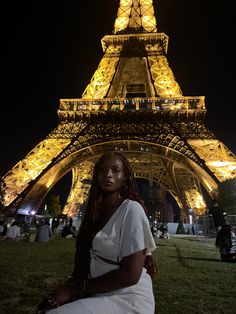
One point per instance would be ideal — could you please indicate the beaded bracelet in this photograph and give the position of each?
(52, 302)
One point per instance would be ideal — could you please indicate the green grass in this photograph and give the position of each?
(191, 278)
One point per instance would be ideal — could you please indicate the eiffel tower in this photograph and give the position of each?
(133, 104)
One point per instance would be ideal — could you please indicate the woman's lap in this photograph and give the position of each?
(105, 305)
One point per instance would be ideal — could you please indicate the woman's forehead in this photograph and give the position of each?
(112, 159)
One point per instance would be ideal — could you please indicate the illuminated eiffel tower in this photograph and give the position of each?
(132, 104)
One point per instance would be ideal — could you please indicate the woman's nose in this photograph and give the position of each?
(108, 173)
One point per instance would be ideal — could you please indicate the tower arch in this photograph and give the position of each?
(173, 170)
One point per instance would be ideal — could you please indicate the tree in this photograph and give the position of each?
(53, 205)
(227, 196)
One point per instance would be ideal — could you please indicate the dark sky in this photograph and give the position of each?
(50, 51)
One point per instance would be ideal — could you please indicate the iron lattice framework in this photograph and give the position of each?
(132, 104)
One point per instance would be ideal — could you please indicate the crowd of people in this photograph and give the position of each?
(43, 231)
(11, 231)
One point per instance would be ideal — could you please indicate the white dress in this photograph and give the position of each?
(126, 232)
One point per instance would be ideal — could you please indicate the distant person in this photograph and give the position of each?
(154, 230)
(43, 232)
(55, 224)
(226, 243)
(163, 227)
(2, 227)
(217, 213)
(13, 232)
(164, 234)
(68, 230)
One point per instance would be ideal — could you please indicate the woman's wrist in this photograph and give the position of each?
(83, 288)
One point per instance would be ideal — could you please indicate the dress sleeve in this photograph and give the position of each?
(135, 231)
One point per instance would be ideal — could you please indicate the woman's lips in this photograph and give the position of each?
(107, 182)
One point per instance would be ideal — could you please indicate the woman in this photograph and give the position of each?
(68, 230)
(43, 232)
(112, 244)
(14, 232)
(226, 243)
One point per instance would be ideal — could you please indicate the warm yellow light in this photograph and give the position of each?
(230, 164)
(126, 2)
(135, 14)
(196, 202)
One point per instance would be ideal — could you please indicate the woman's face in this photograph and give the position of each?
(111, 174)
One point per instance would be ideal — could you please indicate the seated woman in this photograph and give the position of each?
(3, 228)
(14, 232)
(43, 232)
(226, 243)
(68, 231)
(114, 241)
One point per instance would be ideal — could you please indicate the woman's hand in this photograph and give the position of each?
(64, 293)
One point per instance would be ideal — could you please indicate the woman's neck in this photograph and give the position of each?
(110, 202)
(107, 208)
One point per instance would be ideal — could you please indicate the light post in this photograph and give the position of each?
(190, 215)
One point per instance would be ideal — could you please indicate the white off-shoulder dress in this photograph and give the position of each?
(126, 232)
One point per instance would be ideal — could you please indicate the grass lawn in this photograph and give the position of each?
(191, 278)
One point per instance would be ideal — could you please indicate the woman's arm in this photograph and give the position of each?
(127, 275)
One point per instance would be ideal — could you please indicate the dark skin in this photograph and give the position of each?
(111, 177)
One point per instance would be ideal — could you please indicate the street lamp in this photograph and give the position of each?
(190, 211)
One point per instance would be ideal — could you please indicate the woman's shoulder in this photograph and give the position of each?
(134, 207)
(134, 203)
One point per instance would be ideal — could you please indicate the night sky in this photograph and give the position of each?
(50, 51)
